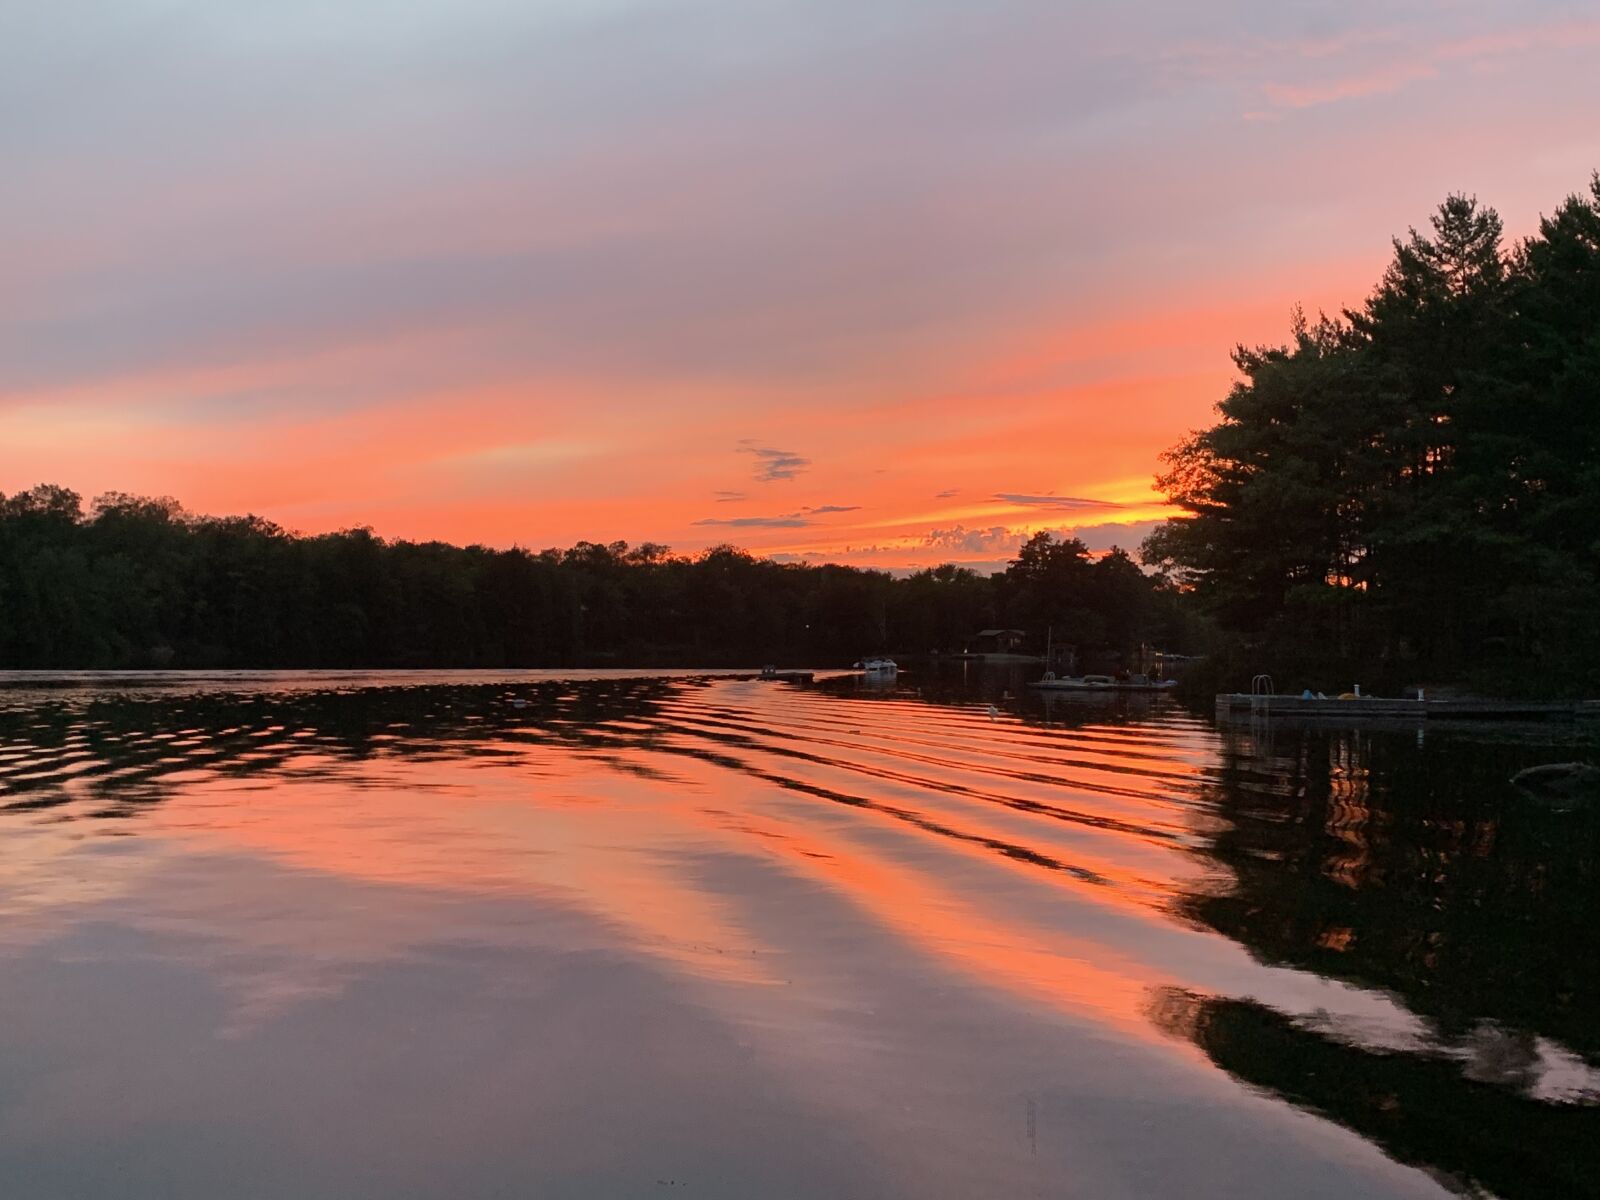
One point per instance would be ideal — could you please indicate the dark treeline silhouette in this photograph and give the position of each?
(1410, 492)
(142, 582)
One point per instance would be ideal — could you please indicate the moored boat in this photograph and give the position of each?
(877, 666)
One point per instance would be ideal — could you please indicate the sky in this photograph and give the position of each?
(888, 282)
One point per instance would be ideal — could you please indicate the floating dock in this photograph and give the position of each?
(787, 676)
(1236, 706)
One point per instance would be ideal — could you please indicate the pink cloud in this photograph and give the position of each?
(1390, 78)
(1400, 66)
(1566, 35)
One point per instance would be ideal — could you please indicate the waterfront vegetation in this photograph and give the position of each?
(137, 582)
(1409, 492)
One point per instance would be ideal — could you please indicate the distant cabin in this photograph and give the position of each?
(999, 641)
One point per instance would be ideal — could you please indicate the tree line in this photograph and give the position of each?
(1409, 491)
(135, 581)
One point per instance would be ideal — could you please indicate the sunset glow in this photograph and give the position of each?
(890, 285)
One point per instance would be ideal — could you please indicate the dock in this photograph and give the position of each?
(770, 674)
(1236, 706)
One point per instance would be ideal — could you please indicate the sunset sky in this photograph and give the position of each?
(889, 282)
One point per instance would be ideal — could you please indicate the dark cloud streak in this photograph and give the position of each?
(795, 520)
(790, 522)
(1055, 502)
(772, 464)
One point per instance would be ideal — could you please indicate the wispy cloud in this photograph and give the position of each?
(724, 497)
(1402, 60)
(795, 520)
(1379, 81)
(773, 464)
(1055, 502)
(792, 521)
(1103, 537)
(1000, 540)
(995, 539)
(1556, 35)
(947, 493)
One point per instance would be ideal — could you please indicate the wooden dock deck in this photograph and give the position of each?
(1236, 706)
(771, 675)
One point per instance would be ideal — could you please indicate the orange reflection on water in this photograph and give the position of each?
(582, 837)
(621, 836)
(688, 829)
(1077, 976)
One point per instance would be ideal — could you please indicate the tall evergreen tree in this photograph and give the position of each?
(1409, 490)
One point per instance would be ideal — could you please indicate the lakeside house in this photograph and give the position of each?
(999, 641)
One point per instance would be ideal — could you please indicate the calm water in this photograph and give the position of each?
(339, 936)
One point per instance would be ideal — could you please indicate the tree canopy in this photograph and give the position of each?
(138, 581)
(1411, 490)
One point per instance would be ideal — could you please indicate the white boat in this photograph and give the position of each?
(1103, 683)
(878, 666)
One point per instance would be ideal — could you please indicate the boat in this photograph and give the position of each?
(1102, 683)
(877, 666)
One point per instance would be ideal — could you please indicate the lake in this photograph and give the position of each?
(456, 935)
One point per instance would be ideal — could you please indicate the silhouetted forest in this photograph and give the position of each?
(1409, 492)
(142, 582)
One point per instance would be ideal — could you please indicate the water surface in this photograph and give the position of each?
(448, 935)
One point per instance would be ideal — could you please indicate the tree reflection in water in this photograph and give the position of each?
(1404, 862)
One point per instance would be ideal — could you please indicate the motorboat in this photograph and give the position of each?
(877, 666)
(1102, 683)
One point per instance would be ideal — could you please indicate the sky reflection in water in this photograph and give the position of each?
(344, 937)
